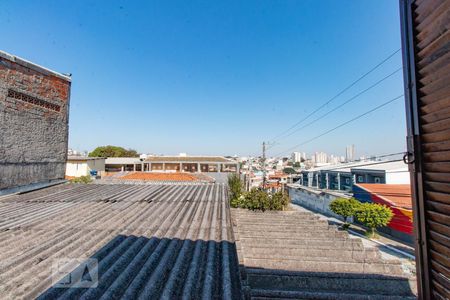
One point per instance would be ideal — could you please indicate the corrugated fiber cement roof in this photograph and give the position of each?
(150, 241)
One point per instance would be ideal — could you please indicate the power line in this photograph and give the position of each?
(343, 124)
(338, 94)
(341, 105)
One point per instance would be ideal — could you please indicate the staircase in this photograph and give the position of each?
(296, 255)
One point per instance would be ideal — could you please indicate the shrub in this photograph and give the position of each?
(236, 189)
(82, 179)
(257, 199)
(374, 216)
(345, 208)
(278, 201)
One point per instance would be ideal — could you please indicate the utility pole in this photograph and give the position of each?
(264, 164)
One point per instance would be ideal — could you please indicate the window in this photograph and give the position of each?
(347, 180)
(377, 180)
(360, 178)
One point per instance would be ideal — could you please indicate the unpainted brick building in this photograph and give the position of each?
(34, 111)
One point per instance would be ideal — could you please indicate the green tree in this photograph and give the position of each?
(113, 151)
(289, 171)
(297, 164)
(236, 187)
(373, 216)
(345, 208)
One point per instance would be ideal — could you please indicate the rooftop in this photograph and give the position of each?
(209, 159)
(82, 158)
(122, 160)
(151, 241)
(33, 66)
(398, 194)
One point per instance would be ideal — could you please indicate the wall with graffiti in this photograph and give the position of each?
(395, 198)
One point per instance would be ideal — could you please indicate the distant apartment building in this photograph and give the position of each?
(296, 157)
(34, 115)
(320, 158)
(350, 153)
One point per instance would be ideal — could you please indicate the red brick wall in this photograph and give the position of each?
(33, 136)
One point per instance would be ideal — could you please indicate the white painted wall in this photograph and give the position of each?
(78, 168)
(397, 177)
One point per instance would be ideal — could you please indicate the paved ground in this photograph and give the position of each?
(150, 241)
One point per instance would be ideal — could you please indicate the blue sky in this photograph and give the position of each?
(216, 77)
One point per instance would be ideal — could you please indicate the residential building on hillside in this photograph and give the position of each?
(34, 113)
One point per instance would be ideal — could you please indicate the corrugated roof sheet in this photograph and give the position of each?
(151, 241)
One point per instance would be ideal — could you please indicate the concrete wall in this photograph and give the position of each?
(315, 200)
(77, 168)
(83, 168)
(399, 177)
(34, 106)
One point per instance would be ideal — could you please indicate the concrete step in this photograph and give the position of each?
(276, 217)
(288, 223)
(393, 268)
(247, 212)
(371, 255)
(281, 222)
(293, 235)
(331, 282)
(261, 294)
(309, 243)
(283, 228)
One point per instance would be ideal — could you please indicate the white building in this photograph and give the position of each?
(392, 172)
(320, 158)
(350, 153)
(296, 157)
(78, 166)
